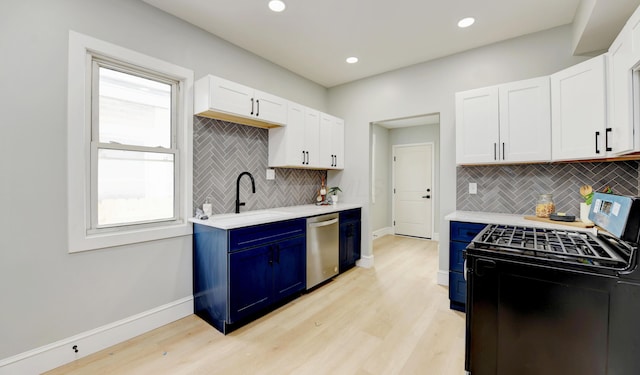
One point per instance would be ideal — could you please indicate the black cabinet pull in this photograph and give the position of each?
(428, 190)
(495, 157)
(606, 139)
(502, 150)
(307, 163)
(597, 135)
(252, 106)
(258, 107)
(303, 158)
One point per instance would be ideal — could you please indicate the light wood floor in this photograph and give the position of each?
(391, 319)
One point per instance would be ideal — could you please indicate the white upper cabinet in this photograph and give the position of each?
(619, 135)
(525, 120)
(477, 127)
(331, 142)
(504, 124)
(579, 116)
(219, 98)
(297, 144)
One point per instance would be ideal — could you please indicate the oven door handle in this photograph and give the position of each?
(465, 270)
(482, 265)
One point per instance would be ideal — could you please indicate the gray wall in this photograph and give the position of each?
(222, 150)
(429, 88)
(515, 188)
(47, 293)
(381, 205)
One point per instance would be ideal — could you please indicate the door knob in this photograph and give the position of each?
(426, 196)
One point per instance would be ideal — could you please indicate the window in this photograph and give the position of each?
(129, 146)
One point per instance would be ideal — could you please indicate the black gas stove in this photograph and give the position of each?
(563, 248)
(554, 301)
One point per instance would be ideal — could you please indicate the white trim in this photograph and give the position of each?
(54, 355)
(78, 143)
(393, 181)
(435, 237)
(365, 261)
(382, 232)
(443, 278)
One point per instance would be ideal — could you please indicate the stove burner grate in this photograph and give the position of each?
(558, 245)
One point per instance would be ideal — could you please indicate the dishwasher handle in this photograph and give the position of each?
(323, 223)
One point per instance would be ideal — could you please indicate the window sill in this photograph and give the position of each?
(79, 242)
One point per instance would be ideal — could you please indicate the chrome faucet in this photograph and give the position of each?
(253, 187)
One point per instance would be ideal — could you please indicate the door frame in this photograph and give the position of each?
(393, 183)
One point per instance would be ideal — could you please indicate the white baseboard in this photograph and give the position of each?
(61, 352)
(435, 237)
(382, 232)
(443, 278)
(365, 261)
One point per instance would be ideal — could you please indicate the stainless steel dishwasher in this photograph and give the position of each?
(322, 248)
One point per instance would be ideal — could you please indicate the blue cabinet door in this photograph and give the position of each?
(461, 234)
(350, 240)
(250, 281)
(289, 267)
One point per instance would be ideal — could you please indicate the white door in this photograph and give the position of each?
(413, 190)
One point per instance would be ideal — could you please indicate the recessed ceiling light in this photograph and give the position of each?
(277, 5)
(466, 22)
(352, 60)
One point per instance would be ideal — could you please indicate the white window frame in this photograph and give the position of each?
(81, 235)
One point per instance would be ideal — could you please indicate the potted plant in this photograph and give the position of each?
(333, 193)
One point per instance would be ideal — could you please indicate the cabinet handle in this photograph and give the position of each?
(606, 139)
(258, 107)
(307, 157)
(597, 136)
(495, 157)
(502, 150)
(252, 106)
(303, 158)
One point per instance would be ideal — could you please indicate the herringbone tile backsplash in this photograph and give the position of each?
(515, 188)
(222, 150)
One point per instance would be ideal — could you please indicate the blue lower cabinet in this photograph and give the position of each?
(350, 238)
(289, 268)
(250, 281)
(242, 273)
(460, 235)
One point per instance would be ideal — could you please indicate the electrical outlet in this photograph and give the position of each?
(473, 188)
(271, 174)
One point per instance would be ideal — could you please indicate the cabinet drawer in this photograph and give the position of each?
(350, 215)
(464, 232)
(242, 238)
(457, 287)
(456, 262)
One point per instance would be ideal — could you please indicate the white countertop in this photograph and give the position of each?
(507, 219)
(249, 218)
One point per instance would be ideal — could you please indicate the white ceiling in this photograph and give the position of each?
(314, 37)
